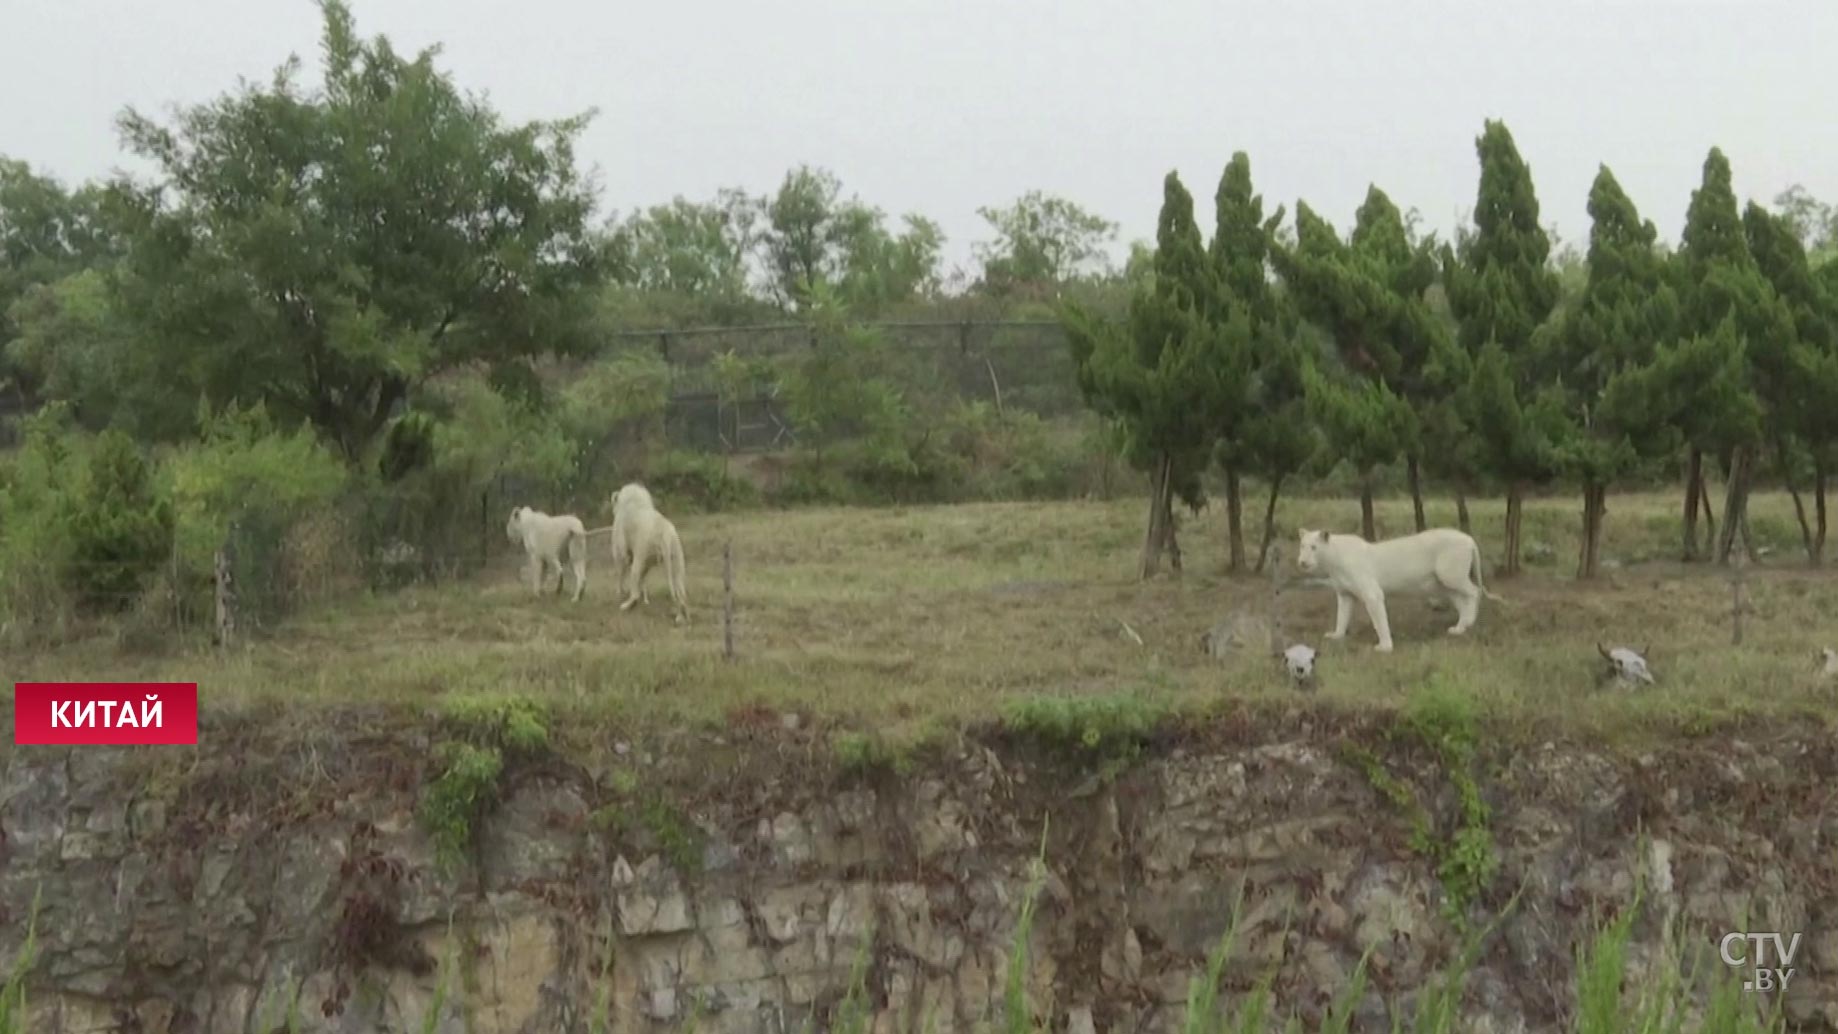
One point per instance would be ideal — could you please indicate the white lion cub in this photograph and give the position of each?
(642, 536)
(545, 541)
(1437, 560)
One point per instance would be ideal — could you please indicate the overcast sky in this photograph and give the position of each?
(942, 106)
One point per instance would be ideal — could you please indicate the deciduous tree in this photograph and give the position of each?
(325, 252)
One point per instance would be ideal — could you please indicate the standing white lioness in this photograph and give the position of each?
(545, 541)
(1437, 560)
(642, 536)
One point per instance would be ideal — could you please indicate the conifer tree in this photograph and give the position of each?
(1502, 289)
(1405, 270)
(1262, 430)
(1366, 295)
(1162, 374)
(1715, 272)
(1626, 313)
(1794, 356)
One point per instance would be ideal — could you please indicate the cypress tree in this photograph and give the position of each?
(1162, 374)
(1405, 271)
(1368, 294)
(1501, 291)
(1714, 270)
(1261, 429)
(1794, 355)
(1627, 311)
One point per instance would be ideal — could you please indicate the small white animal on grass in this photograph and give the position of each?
(641, 537)
(1830, 668)
(1299, 661)
(546, 541)
(1437, 560)
(1629, 666)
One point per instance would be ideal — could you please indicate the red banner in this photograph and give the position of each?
(97, 713)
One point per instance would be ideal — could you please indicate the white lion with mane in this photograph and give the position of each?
(1437, 560)
(641, 537)
(546, 540)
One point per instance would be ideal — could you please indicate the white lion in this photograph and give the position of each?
(545, 540)
(1429, 561)
(642, 536)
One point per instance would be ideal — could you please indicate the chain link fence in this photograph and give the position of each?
(1018, 365)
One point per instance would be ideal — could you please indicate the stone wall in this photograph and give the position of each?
(217, 900)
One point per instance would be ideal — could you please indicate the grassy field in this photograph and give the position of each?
(906, 620)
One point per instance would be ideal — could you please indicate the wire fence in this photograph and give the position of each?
(272, 561)
(1019, 365)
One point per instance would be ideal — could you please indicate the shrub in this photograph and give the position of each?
(34, 542)
(120, 526)
(694, 482)
(407, 447)
(248, 472)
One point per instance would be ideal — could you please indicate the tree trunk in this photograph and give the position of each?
(1461, 512)
(1514, 511)
(1416, 493)
(1234, 520)
(1263, 551)
(1170, 527)
(1368, 526)
(1818, 505)
(1799, 514)
(1152, 539)
(1595, 507)
(1710, 517)
(1694, 482)
(1735, 504)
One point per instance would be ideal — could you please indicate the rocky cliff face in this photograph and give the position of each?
(227, 893)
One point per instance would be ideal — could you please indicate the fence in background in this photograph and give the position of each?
(1010, 364)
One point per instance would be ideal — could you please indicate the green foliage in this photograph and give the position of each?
(1174, 372)
(859, 754)
(1104, 731)
(34, 489)
(487, 435)
(13, 991)
(517, 724)
(838, 388)
(281, 261)
(855, 1013)
(698, 483)
(455, 801)
(636, 810)
(1365, 420)
(243, 468)
(813, 238)
(489, 727)
(1501, 288)
(1626, 314)
(408, 446)
(687, 248)
(1442, 721)
(120, 524)
(1041, 239)
(1017, 1013)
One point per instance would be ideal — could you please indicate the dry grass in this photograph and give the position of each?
(907, 619)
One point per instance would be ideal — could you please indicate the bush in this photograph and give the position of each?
(697, 483)
(120, 526)
(246, 469)
(34, 542)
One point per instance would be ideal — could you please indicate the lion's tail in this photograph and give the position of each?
(1478, 583)
(676, 568)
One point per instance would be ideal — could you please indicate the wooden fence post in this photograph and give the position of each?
(727, 600)
(226, 591)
